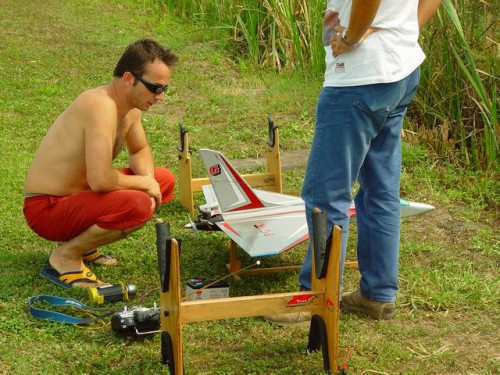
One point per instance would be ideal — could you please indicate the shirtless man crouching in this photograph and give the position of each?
(73, 195)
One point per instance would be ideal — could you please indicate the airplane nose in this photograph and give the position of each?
(423, 207)
(414, 208)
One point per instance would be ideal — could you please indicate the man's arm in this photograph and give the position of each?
(363, 13)
(426, 9)
(100, 129)
(140, 156)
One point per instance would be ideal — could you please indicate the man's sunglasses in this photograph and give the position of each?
(153, 87)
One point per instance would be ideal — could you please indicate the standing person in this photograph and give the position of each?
(73, 194)
(372, 60)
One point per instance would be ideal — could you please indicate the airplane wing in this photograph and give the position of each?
(408, 208)
(267, 232)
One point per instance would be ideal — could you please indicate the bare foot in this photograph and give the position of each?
(63, 263)
(98, 258)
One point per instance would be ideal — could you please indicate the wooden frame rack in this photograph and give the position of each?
(322, 301)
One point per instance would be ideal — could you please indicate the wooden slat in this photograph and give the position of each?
(351, 264)
(170, 302)
(185, 176)
(258, 179)
(259, 271)
(238, 307)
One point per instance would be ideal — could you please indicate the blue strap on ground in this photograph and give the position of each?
(60, 317)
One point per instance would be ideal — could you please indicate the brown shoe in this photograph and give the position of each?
(355, 301)
(295, 318)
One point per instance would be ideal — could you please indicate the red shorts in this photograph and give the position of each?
(63, 218)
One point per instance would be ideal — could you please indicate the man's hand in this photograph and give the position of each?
(153, 190)
(339, 47)
(363, 13)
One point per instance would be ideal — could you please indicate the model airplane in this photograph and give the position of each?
(262, 223)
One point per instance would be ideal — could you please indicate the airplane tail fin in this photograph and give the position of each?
(232, 191)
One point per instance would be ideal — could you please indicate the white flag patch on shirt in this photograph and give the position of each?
(340, 67)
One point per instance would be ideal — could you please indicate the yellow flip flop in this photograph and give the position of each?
(67, 279)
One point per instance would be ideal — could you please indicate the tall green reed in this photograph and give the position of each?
(282, 34)
(457, 104)
(247, 30)
(296, 33)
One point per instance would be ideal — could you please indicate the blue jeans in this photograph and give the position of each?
(358, 137)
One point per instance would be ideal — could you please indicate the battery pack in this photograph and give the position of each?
(195, 291)
(112, 293)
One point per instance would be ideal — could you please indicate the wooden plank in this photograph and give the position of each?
(331, 311)
(170, 302)
(273, 164)
(330, 285)
(234, 264)
(259, 271)
(238, 307)
(351, 264)
(185, 190)
(254, 180)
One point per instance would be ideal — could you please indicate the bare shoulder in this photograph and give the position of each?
(96, 101)
(92, 109)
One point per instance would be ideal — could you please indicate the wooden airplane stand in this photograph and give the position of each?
(271, 180)
(322, 301)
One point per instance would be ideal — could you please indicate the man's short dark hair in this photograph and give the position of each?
(141, 52)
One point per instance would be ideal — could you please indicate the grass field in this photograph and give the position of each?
(448, 306)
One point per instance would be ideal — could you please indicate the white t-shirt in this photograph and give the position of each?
(388, 55)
